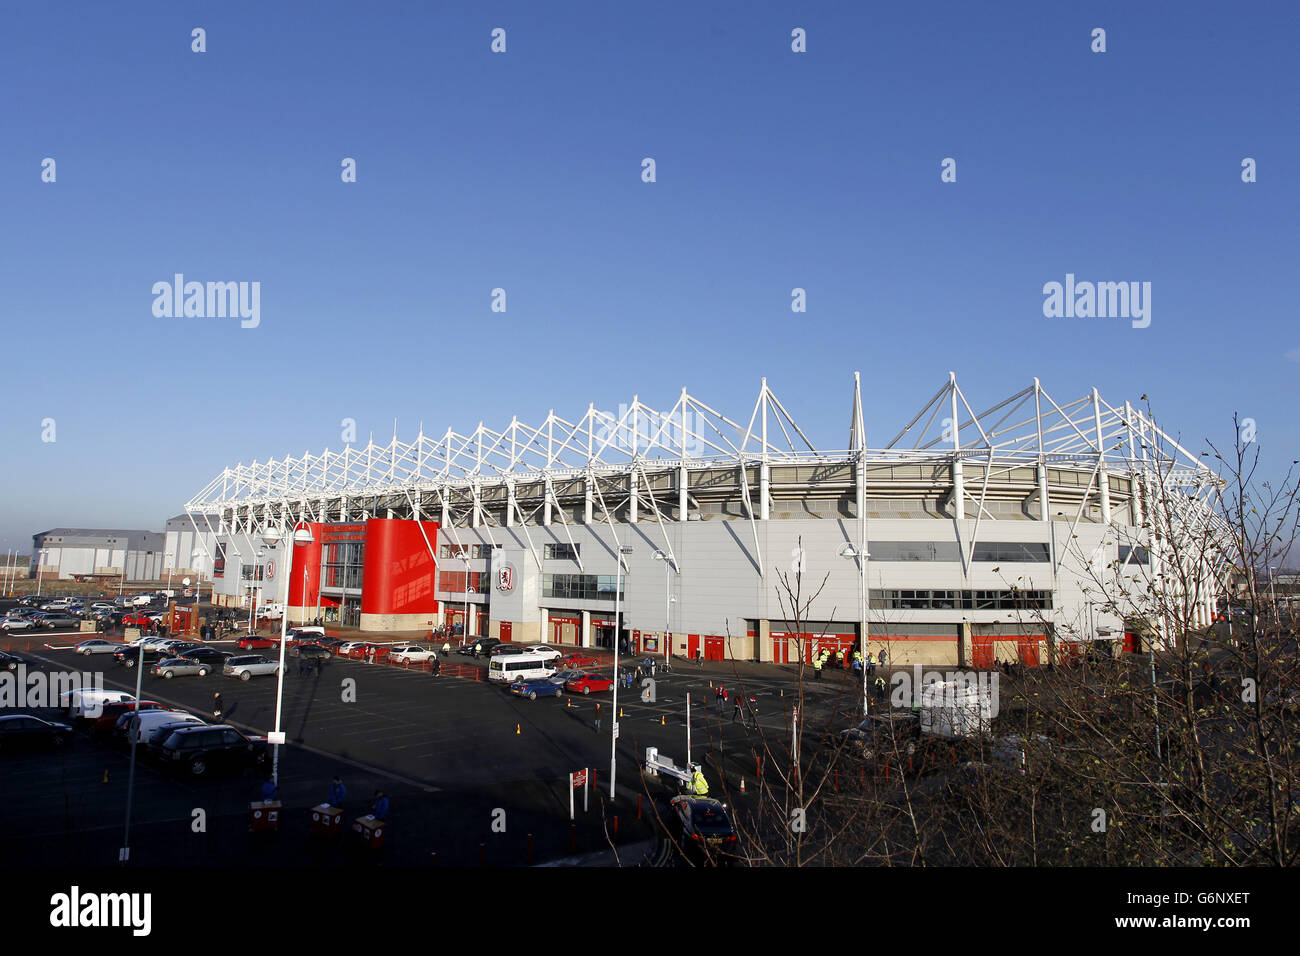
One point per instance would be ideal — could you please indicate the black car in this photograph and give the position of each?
(208, 655)
(878, 736)
(130, 656)
(311, 652)
(202, 751)
(23, 732)
(10, 662)
(706, 830)
(484, 644)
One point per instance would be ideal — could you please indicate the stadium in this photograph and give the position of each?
(968, 538)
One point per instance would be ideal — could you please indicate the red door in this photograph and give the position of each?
(714, 648)
(692, 645)
(981, 650)
(504, 630)
(1028, 647)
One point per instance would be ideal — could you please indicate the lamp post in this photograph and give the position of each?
(668, 599)
(253, 589)
(301, 535)
(851, 553)
(618, 631)
(198, 583)
(1272, 594)
(41, 555)
(464, 556)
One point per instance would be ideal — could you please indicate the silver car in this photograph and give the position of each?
(247, 666)
(16, 624)
(180, 667)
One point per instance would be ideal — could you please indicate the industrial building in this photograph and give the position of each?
(966, 538)
(126, 554)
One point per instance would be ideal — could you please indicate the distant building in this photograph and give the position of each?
(69, 552)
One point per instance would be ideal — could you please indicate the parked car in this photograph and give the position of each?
(85, 703)
(136, 619)
(257, 642)
(345, 649)
(542, 650)
(10, 662)
(573, 661)
(484, 645)
(537, 687)
(248, 666)
(104, 725)
(214, 658)
(16, 624)
(23, 732)
(588, 683)
(307, 632)
(49, 620)
(58, 604)
(563, 677)
(97, 645)
(706, 829)
(139, 725)
(201, 751)
(877, 736)
(310, 652)
(180, 667)
(130, 656)
(411, 653)
(367, 652)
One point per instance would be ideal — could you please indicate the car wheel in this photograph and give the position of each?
(532, 695)
(203, 672)
(198, 767)
(245, 675)
(59, 740)
(586, 690)
(128, 662)
(168, 675)
(559, 693)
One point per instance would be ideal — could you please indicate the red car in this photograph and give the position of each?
(589, 682)
(104, 724)
(256, 642)
(577, 662)
(363, 652)
(138, 619)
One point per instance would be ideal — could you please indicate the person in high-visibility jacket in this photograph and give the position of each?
(699, 786)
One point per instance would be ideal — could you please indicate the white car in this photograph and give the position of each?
(248, 666)
(306, 633)
(411, 653)
(141, 600)
(87, 702)
(346, 649)
(140, 725)
(542, 651)
(97, 646)
(16, 624)
(58, 604)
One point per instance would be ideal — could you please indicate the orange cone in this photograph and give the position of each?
(516, 730)
(661, 720)
(742, 784)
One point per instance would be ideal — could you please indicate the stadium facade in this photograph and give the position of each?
(967, 538)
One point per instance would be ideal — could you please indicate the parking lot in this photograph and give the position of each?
(449, 752)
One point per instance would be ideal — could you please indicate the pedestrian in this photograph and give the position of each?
(436, 666)
(446, 648)
(270, 791)
(817, 668)
(882, 658)
(303, 665)
(379, 810)
(737, 709)
(316, 665)
(216, 706)
(599, 718)
(338, 793)
(717, 698)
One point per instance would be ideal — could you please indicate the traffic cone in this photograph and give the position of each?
(105, 775)
(620, 713)
(516, 730)
(742, 784)
(568, 702)
(710, 685)
(661, 720)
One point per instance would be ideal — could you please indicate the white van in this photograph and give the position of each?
(86, 703)
(513, 667)
(140, 725)
(309, 632)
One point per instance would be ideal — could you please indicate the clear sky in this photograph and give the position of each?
(523, 171)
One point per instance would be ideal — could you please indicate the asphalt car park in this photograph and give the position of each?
(457, 748)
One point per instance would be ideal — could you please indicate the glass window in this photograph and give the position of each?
(561, 552)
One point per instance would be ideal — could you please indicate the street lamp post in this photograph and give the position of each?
(668, 599)
(40, 568)
(198, 583)
(618, 630)
(850, 553)
(301, 535)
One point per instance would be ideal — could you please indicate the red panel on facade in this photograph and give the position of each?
(399, 572)
(307, 561)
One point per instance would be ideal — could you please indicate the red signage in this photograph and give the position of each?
(578, 779)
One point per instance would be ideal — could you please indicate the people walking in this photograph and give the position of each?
(738, 708)
(599, 718)
(216, 706)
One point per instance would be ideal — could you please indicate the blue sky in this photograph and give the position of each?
(522, 171)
